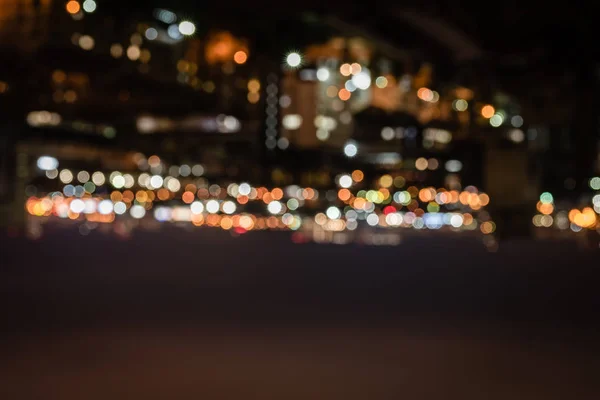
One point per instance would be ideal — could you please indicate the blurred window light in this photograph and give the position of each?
(356, 68)
(350, 86)
(83, 176)
(198, 170)
(65, 176)
(460, 105)
(425, 94)
(228, 124)
(116, 50)
(151, 33)
(98, 178)
(173, 32)
(86, 42)
(283, 143)
(517, 121)
(89, 6)
(43, 118)
(136, 39)
(308, 75)
(253, 85)
(421, 164)
(285, 101)
(453, 166)
(323, 74)
(516, 135)
(133, 52)
(346, 69)
(496, 120)
(47, 163)
(381, 82)
(137, 211)
(388, 133)
(322, 134)
(120, 208)
(163, 214)
(166, 16)
(292, 121)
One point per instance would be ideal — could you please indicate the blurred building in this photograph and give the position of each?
(95, 86)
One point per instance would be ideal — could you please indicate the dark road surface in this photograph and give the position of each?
(176, 315)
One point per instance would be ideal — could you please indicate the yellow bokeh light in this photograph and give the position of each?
(253, 85)
(253, 98)
(386, 181)
(421, 164)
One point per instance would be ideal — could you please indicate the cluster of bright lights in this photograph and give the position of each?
(181, 194)
(575, 219)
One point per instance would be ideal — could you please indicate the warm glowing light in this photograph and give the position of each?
(344, 94)
(240, 57)
(133, 52)
(73, 7)
(425, 94)
(421, 164)
(357, 175)
(346, 69)
(488, 111)
(253, 85)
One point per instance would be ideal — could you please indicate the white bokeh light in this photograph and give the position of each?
(362, 80)
(187, 28)
(350, 149)
(345, 181)
(323, 74)
(274, 207)
(293, 59)
(197, 207)
(212, 206)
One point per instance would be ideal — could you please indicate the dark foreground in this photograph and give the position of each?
(183, 315)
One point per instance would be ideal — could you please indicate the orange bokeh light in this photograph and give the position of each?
(277, 193)
(488, 111)
(344, 194)
(344, 94)
(240, 57)
(357, 175)
(187, 197)
(73, 7)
